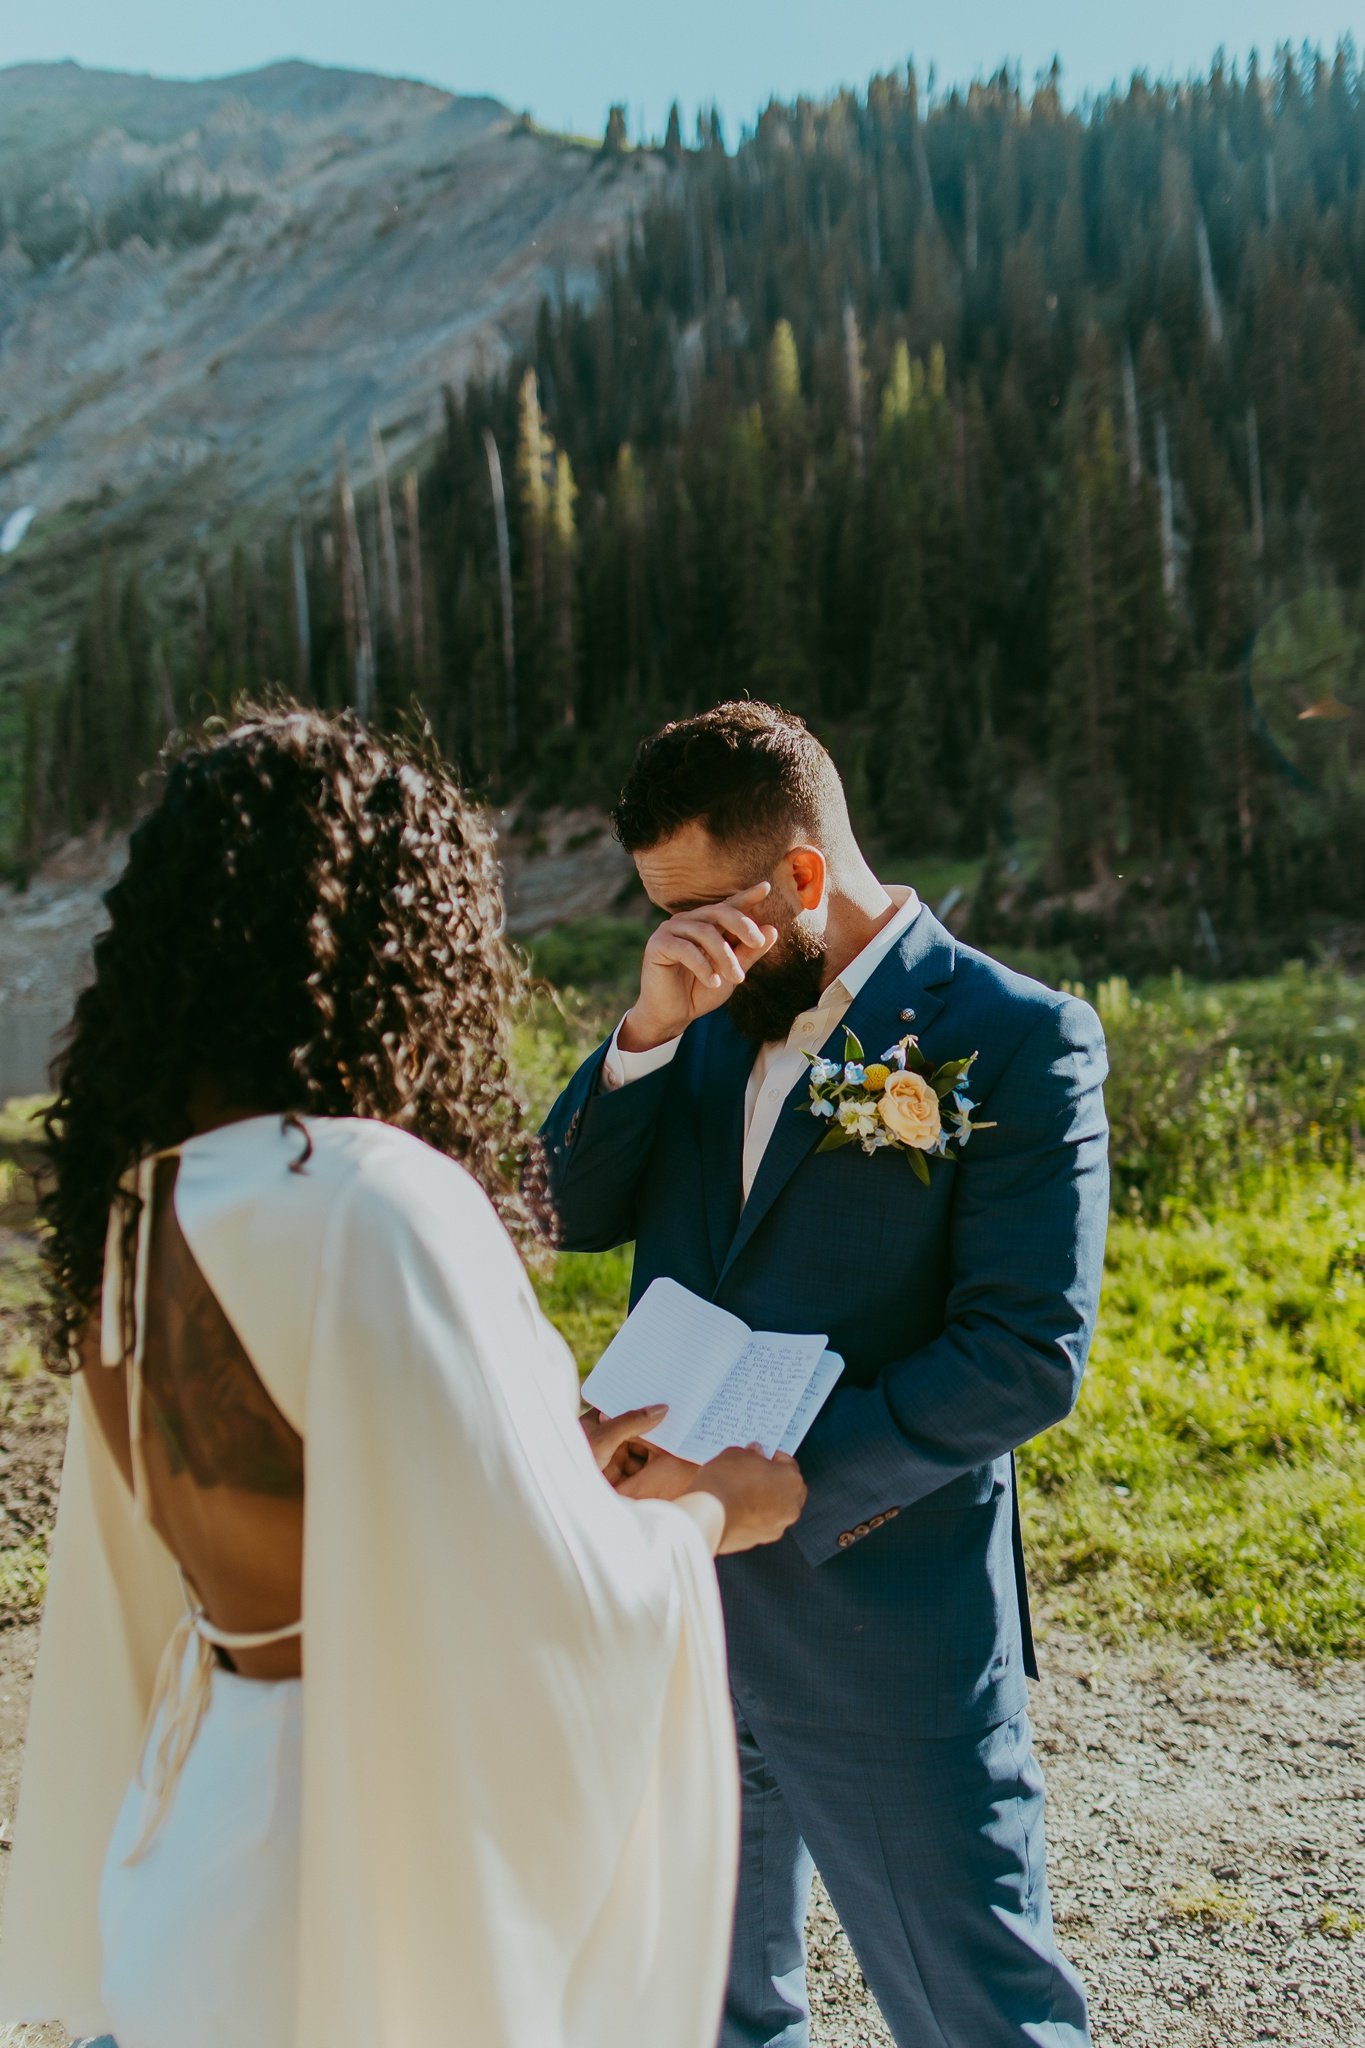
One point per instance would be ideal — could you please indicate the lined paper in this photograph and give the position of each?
(673, 1347)
(823, 1382)
(724, 1384)
(758, 1397)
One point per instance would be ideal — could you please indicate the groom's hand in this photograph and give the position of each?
(693, 964)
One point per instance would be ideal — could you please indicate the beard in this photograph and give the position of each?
(779, 987)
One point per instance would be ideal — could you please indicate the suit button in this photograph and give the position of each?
(876, 1521)
(574, 1121)
(845, 1539)
(891, 1514)
(862, 1529)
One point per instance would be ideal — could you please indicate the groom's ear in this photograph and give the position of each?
(808, 870)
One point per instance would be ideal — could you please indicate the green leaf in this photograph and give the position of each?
(916, 1062)
(853, 1049)
(949, 1074)
(919, 1164)
(835, 1140)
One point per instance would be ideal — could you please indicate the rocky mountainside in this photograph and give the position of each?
(205, 285)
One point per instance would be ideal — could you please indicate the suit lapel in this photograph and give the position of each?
(727, 1060)
(903, 981)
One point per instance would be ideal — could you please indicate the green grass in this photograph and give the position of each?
(1209, 1905)
(598, 954)
(1343, 1926)
(936, 876)
(1210, 1084)
(585, 1297)
(1212, 1478)
(19, 1121)
(1241, 1083)
(553, 1035)
(23, 1577)
(1211, 1482)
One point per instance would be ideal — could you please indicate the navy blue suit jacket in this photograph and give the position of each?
(963, 1310)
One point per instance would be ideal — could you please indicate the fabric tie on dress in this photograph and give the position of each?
(182, 1700)
(138, 1184)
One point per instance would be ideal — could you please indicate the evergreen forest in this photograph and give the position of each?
(1019, 445)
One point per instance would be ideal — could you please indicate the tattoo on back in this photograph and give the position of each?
(203, 1397)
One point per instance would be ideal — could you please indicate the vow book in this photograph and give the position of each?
(724, 1383)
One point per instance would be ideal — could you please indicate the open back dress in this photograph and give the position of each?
(500, 1805)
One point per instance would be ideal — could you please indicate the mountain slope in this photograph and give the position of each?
(235, 273)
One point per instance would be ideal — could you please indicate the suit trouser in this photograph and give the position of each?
(933, 1854)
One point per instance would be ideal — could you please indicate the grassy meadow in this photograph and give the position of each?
(1212, 1479)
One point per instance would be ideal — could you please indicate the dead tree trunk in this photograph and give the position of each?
(354, 602)
(509, 658)
(416, 595)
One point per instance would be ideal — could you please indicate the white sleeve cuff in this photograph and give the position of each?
(620, 1068)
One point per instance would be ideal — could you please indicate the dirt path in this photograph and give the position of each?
(1207, 1826)
(1207, 1838)
(1206, 1817)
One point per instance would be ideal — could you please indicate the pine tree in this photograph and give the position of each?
(1339, 491)
(904, 778)
(535, 492)
(838, 424)
(615, 142)
(562, 592)
(1086, 635)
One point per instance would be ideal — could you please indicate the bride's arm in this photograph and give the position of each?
(709, 1515)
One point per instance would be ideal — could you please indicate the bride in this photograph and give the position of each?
(319, 1422)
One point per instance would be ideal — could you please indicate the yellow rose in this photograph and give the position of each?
(909, 1109)
(876, 1078)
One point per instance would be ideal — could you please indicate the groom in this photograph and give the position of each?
(879, 1652)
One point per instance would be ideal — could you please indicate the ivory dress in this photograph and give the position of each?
(500, 1809)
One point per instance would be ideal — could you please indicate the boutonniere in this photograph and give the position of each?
(901, 1102)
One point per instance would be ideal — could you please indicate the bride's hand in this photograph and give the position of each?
(615, 1441)
(658, 1475)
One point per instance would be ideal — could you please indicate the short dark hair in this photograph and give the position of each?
(745, 771)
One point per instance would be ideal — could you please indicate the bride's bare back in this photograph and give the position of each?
(223, 1468)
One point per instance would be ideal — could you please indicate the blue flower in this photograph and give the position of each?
(824, 1071)
(819, 1107)
(854, 1075)
(962, 1107)
(894, 1056)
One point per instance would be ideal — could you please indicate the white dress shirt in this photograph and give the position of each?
(779, 1065)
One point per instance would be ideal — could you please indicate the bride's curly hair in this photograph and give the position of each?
(311, 921)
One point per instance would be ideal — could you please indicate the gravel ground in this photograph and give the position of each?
(1207, 1845)
(1207, 1824)
(1206, 1820)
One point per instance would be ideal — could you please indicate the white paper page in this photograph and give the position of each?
(674, 1347)
(759, 1396)
(822, 1385)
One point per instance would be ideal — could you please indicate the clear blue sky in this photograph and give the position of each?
(567, 60)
